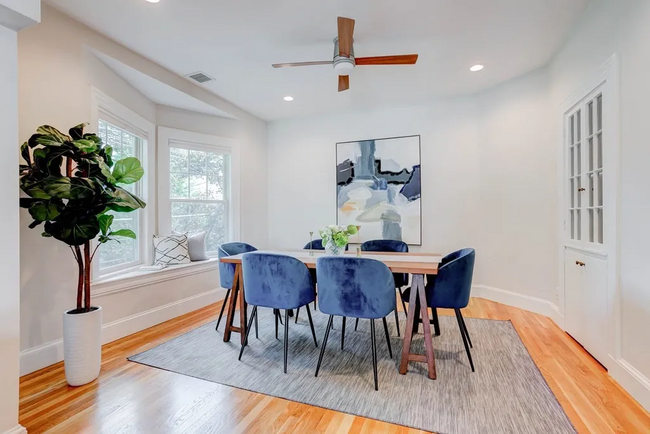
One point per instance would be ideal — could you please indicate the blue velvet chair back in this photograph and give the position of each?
(355, 287)
(276, 281)
(450, 288)
(227, 271)
(401, 279)
(318, 245)
(315, 245)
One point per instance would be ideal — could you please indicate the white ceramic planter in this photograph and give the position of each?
(82, 346)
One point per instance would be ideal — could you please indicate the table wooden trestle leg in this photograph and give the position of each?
(236, 298)
(417, 299)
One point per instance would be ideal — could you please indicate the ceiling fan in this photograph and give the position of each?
(344, 60)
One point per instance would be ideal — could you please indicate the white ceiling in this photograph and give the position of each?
(156, 91)
(236, 42)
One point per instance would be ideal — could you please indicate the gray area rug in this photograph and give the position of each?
(506, 394)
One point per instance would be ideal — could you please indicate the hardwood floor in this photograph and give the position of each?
(133, 398)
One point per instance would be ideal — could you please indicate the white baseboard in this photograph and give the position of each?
(50, 353)
(526, 302)
(18, 429)
(636, 384)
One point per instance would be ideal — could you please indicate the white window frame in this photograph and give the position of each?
(106, 108)
(201, 142)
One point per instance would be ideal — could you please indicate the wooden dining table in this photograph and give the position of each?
(417, 264)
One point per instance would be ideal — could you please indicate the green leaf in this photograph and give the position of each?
(44, 211)
(86, 146)
(46, 235)
(40, 153)
(128, 233)
(69, 188)
(123, 201)
(24, 152)
(34, 188)
(106, 171)
(48, 141)
(73, 231)
(47, 130)
(93, 137)
(105, 222)
(103, 239)
(128, 170)
(77, 132)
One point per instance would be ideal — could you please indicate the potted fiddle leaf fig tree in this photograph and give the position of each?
(72, 187)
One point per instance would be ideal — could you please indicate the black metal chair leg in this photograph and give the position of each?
(322, 350)
(257, 334)
(343, 333)
(390, 350)
(248, 330)
(397, 322)
(223, 306)
(277, 316)
(297, 313)
(466, 332)
(356, 324)
(459, 317)
(311, 324)
(286, 338)
(374, 352)
(436, 323)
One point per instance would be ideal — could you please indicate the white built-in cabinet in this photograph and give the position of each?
(586, 245)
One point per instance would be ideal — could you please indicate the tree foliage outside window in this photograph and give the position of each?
(199, 194)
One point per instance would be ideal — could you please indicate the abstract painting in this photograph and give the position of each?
(379, 188)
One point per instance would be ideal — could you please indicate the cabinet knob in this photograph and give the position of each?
(582, 264)
(581, 189)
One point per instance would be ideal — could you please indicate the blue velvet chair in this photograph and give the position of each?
(277, 282)
(450, 289)
(356, 288)
(227, 271)
(401, 279)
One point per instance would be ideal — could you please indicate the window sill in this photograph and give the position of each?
(139, 278)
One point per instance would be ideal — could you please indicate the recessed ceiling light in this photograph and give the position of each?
(153, 1)
(288, 98)
(476, 68)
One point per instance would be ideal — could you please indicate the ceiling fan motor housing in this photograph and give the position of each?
(342, 65)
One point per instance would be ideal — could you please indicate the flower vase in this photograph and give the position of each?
(332, 249)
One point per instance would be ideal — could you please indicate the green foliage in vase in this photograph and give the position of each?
(340, 235)
(72, 184)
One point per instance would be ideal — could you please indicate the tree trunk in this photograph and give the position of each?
(80, 282)
(87, 276)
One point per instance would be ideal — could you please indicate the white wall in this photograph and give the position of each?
(302, 183)
(15, 16)
(57, 70)
(607, 28)
(482, 186)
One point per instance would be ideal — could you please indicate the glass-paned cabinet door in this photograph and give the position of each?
(584, 156)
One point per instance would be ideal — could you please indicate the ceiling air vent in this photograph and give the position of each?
(200, 77)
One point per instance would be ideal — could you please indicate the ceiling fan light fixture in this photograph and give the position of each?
(343, 66)
(476, 68)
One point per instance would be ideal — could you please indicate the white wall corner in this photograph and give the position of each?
(18, 429)
(19, 14)
(521, 301)
(633, 381)
(36, 358)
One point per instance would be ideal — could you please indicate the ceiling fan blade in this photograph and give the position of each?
(290, 65)
(346, 30)
(344, 82)
(403, 59)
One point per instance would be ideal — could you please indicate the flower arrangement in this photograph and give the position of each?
(335, 237)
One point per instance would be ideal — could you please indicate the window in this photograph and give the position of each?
(114, 255)
(129, 134)
(198, 192)
(198, 185)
